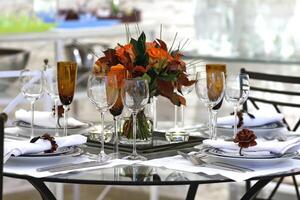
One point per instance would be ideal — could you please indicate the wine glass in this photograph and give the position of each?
(52, 90)
(178, 133)
(31, 84)
(116, 111)
(210, 91)
(212, 68)
(103, 93)
(185, 90)
(66, 79)
(135, 96)
(236, 93)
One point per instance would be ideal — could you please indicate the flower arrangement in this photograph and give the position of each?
(162, 67)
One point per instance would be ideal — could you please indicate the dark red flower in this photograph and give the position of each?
(245, 138)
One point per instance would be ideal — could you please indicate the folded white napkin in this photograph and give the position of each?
(17, 148)
(261, 118)
(263, 147)
(45, 119)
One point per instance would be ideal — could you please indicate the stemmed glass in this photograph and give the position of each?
(185, 91)
(31, 84)
(210, 90)
(236, 93)
(135, 96)
(52, 90)
(66, 79)
(212, 68)
(116, 111)
(177, 133)
(103, 93)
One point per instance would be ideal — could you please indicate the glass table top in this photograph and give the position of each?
(142, 174)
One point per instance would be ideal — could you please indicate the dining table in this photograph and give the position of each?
(148, 173)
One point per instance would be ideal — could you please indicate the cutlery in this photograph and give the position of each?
(70, 166)
(197, 160)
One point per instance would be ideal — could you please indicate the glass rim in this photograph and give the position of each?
(102, 75)
(67, 62)
(135, 79)
(238, 74)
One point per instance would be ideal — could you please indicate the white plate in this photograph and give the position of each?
(249, 160)
(62, 154)
(269, 130)
(39, 130)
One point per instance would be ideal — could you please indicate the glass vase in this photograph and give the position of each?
(145, 126)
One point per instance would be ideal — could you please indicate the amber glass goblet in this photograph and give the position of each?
(211, 68)
(210, 90)
(66, 83)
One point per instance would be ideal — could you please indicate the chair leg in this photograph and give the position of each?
(254, 190)
(248, 185)
(296, 187)
(192, 191)
(275, 189)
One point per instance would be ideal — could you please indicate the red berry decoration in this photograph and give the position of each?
(245, 138)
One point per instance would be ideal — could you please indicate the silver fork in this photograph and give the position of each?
(198, 160)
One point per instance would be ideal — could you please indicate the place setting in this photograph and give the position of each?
(249, 143)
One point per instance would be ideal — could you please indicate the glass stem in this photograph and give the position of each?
(154, 99)
(175, 116)
(214, 122)
(182, 116)
(32, 118)
(210, 122)
(66, 120)
(235, 108)
(102, 134)
(116, 139)
(134, 134)
(56, 116)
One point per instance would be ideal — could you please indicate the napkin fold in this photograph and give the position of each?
(17, 148)
(261, 118)
(45, 119)
(263, 147)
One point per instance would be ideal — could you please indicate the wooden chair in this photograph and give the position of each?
(259, 100)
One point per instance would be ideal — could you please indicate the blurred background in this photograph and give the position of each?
(258, 35)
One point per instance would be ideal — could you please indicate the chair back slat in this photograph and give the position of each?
(274, 102)
(272, 77)
(275, 91)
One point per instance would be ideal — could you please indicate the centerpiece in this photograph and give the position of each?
(162, 67)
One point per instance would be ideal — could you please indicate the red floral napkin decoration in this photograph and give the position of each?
(245, 138)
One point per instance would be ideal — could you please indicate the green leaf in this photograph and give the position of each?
(139, 45)
(146, 77)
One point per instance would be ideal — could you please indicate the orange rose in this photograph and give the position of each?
(158, 54)
(120, 72)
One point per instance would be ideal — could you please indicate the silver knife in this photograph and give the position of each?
(70, 166)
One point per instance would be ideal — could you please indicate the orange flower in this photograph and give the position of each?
(120, 72)
(100, 66)
(158, 54)
(122, 50)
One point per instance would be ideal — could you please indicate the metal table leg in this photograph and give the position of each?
(192, 191)
(44, 191)
(253, 191)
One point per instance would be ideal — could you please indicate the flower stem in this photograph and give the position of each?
(240, 152)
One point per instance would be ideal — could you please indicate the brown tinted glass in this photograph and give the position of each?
(216, 68)
(66, 81)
